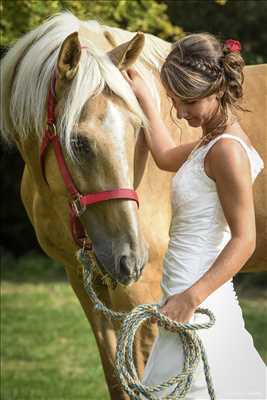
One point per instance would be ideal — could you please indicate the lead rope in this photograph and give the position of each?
(124, 363)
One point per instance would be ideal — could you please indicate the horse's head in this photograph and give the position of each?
(100, 147)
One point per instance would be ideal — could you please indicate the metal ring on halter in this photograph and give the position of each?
(52, 128)
(78, 208)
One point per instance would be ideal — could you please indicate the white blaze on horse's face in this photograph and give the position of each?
(115, 125)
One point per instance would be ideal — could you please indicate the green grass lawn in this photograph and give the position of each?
(48, 350)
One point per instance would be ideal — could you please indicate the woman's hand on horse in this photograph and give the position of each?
(138, 85)
(179, 307)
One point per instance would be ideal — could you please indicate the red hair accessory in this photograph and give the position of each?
(232, 45)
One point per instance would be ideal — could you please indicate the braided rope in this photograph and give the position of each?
(124, 363)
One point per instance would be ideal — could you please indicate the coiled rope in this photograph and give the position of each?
(124, 363)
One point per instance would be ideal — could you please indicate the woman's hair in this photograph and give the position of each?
(198, 66)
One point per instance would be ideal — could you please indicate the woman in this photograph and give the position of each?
(212, 232)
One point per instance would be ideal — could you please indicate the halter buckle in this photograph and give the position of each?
(51, 127)
(51, 131)
(78, 208)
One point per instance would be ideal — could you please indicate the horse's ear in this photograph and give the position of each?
(125, 55)
(69, 57)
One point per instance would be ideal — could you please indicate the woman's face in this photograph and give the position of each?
(197, 113)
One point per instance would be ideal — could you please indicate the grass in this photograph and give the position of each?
(48, 350)
(255, 312)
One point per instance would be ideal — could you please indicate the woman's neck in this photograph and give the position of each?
(211, 128)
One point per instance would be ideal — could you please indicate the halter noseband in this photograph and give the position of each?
(79, 202)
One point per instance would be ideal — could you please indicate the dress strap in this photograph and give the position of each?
(256, 162)
(228, 135)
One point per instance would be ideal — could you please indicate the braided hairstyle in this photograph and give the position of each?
(199, 66)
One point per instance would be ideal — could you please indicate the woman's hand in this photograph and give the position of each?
(179, 307)
(138, 85)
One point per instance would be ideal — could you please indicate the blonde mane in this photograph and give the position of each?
(27, 69)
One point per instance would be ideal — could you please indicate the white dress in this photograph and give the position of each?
(198, 233)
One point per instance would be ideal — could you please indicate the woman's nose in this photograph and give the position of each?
(182, 112)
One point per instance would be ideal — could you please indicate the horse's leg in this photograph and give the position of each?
(103, 329)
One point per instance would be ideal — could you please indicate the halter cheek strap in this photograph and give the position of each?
(79, 201)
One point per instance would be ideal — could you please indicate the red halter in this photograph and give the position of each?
(79, 201)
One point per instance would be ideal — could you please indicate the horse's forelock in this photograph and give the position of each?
(28, 96)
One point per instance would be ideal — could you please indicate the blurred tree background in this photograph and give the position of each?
(169, 19)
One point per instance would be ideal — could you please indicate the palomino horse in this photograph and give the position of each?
(99, 123)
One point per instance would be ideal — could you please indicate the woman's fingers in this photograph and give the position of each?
(131, 72)
(126, 77)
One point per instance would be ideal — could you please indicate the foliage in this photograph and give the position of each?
(244, 20)
(239, 19)
(20, 16)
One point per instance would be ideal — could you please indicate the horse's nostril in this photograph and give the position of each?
(124, 267)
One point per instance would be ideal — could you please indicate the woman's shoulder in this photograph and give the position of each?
(227, 153)
(229, 140)
(238, 131)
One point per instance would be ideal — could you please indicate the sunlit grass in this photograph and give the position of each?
(255, 315)
(48, 349)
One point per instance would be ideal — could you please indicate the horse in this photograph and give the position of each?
(99, 127)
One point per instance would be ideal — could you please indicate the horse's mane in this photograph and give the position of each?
(27, 68)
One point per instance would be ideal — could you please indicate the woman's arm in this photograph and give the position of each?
(230, 168)
(166, 154)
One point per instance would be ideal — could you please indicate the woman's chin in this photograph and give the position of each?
(193, 122)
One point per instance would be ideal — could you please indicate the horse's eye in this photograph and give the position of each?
(82, 148)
